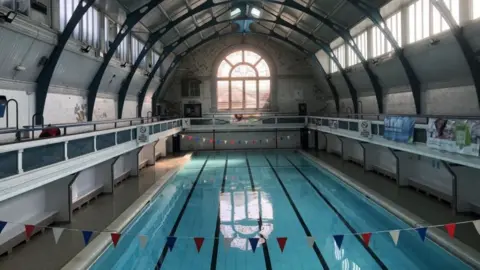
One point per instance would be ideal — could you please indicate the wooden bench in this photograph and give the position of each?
(14, 234)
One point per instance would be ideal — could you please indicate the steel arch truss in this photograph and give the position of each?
(217, 34)
(344, 33)
(468, 52)
(132, 18)
(374, 15)
(155, 36)
(45, 76)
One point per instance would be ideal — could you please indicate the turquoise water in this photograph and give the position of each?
(265, 195)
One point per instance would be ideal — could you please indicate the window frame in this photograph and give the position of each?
(261, 105)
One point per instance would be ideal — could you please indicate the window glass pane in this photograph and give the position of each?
(235, 58)
(250, 94)
(263, 69)
(263, 94)
(237, 94)
(61, 13)
(222, 95)
(333, 66)
(476, 9)
(251, 57)
(224, 69)
(243, 71)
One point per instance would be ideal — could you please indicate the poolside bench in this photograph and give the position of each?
(14, 234)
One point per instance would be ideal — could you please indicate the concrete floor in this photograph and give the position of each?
(41, 252)
(425, 207)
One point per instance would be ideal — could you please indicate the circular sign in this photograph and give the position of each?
(364, 124)
(143, 129)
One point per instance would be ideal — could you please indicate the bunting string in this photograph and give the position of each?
(254, 241)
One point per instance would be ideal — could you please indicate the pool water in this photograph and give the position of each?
(229, 197)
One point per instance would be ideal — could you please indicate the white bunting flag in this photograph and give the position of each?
(310, 241)
(227, 242)
(57, 232)
(266, 140)
(476, 223)
(183, 136)
(204, 139)
(288, 137)
(225, 141)
(395, 234)
(246, 142)
(143, 241)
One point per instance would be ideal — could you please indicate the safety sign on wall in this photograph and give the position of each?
(365, 129)
(142, 134)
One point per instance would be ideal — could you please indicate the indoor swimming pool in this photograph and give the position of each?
(230, 200)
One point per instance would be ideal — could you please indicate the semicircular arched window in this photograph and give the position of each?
(243, 82)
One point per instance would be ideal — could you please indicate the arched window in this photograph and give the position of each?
(243, 82)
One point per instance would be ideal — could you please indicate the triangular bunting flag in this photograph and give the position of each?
(282, 241)
(451, 229)
(227, 242)
(211, 140)
(338, 240)
(395, 234)
(253, 243)
(204, 139)
(246, 142)
(259, 141)
(2, 225)
(29, 230)
(232, 142)
(143, 241)
(266, 140)
(183, 136)
(57, 232)
(115, 238)
(86, 236)
(171, 242)
(310, 241)
(476, 223)
(198, 242)
(190, 138)
(422, 232)
(225, 141)
(288, 137)
(366, 238)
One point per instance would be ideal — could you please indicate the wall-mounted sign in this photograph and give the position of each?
(3, 105)
(333, 124)
(454, 135)
(365, 129)
(142, 134)
(186, 123)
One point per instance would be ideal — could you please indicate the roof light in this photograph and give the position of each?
(235, 12)
(255, 12)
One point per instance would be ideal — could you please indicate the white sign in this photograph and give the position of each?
(142, 134)
(333, 124)
(186, 122)
(365, 129)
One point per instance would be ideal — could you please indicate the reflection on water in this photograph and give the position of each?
(340, 256)
(240, 212)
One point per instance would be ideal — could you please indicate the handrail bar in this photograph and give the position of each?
(80, 124)
(52, 140)
(409, 115)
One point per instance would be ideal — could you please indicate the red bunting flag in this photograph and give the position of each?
(29, 230)
(451, 229)
(282, 241)
(190, 138)
(115, 238)
(232, 142)
(198, 242)
(211, 140)
(366, 238)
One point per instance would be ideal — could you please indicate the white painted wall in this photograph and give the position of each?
(334, 144)
(89, 180)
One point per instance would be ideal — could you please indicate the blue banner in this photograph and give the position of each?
(399, 129)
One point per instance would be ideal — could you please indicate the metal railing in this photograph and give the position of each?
(33, 154)
(421, 119)
(28, 132)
